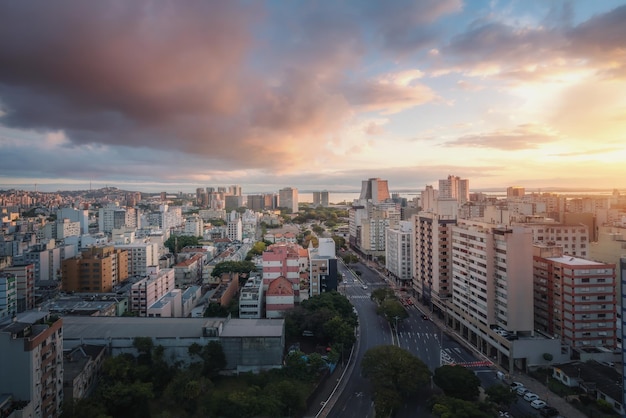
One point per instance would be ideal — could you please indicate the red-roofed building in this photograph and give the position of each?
(279, 298)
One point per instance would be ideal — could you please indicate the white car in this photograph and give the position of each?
(522, 391)
(538, 404)
(516, 385)
(529, 396)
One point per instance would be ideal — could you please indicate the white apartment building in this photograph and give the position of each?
(194, 226)
(150, 289)
(208, 214)
(141, 256)
(454, 188)
(373, 228)
(251, 298)
(234, 229)
(75, 215)
(428, 199)
(573, 238)
(398, 252)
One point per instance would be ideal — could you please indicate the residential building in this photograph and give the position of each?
(31, 364)
(288, 199)
(575, 298)
(515, 192)
(321, 199)
(234, 227)
(151, 288)
(279, 298)
(454, 188)
(261, 202)
(97, 269)
(281, 260)
(76, 215)
(322, 267)
(251, 298)
(194, 226)
(373, 228)
(428, 199)
(398, 253)
(25, 283)
(141, 256)
(82, 366)
(8, 296)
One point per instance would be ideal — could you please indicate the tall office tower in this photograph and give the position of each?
(515, 192)
(398, 253)
(321, 199)
(575, 299)
(375, 190)
(322, 267)
(288, 198)
(454, 188)
(31, 364)
(432, 259)
(97, 269)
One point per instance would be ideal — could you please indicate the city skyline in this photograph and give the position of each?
(161, 96)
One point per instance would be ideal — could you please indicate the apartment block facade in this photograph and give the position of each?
(147, 291)
(398, 253)
(322, 267)
(97, 269)
(25, 282)
(575, 298)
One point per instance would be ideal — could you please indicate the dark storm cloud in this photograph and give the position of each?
(205, 78)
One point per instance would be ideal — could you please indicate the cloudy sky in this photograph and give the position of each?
(167, 95)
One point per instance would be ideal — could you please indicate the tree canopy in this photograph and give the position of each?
(395, 375)
(449, 407)
(501, 395)
(242, 267)
(175, 243)
(458, 382)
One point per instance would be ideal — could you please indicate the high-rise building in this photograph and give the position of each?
(288, 198)
(428, 199)
(454, 188)
(97, 269)
(148, 290)
(31, 364)
(575, 299)
(398, 253)
(374, 190)
(322, 267)
(515, 192)
(432, 249)
(8, 296)
(25, 283)
(141, 256)
(321, 199)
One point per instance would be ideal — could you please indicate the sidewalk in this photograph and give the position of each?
(565, 408)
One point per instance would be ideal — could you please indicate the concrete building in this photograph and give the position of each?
(288, 199)
(398, 254)
(249, 344)
(8, 296)
(189, 271)
(234, 227)
(321, 199)
(279, 298)
(251, 298)
(428, 199)
(81, 370)
(374, 190)
(25, 282)
(97, 269)
(281, 260)
(515, 192)
(322, 267)
(31, 364)
(261, 202)
(76, 215)
(432, 260)
(373, 229)
(141, 256)
(454, 188)
(150, 289)
(194, 226)
(575, 299)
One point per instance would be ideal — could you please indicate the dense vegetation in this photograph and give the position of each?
(175, 243)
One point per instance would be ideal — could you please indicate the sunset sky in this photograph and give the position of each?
(169, 95)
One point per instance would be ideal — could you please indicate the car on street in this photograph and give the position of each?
(549, 411)
(516, 385)
(364, 287)
(529, 396)
(522, 391)
(538, 404)
(425, 317)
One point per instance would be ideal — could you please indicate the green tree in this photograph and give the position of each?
(242, 267)
(395, 375)
(449, 407)
(339, 332)
(214, 358)
(501, 395)
(392, 310)
(340, 242)
(381, 294)
(458, 382)
(350, 259)
(215, 310)
(176, 243)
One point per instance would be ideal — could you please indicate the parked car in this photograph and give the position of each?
(364, 287)
(529, 396)
(425, 317)
(549, 411)
(522, 391)
(538, 404)
(516, 385)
